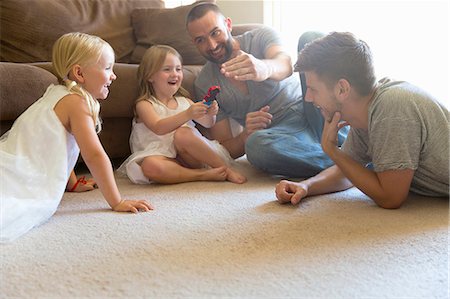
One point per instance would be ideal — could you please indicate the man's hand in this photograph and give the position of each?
(287, 191)
(258, 120)
(331, 127)
(245, 67)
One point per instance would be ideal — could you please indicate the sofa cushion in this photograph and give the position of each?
(21, 85)
(164, 26)
(29, 28)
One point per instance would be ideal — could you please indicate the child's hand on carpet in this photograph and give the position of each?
(133, 206)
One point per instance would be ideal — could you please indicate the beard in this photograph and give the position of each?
(228, 47)
(329, 110)
(337, 108)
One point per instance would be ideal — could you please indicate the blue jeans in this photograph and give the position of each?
(292, 147)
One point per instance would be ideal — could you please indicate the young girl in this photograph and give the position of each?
(39, 153)
(166, 146)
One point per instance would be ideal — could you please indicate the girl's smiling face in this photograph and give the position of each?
(99, 75)
(167, 80)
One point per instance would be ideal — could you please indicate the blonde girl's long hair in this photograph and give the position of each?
(78, 48)
(151, 62)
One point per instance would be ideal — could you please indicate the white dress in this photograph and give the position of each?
(144, 142)
(37, 156)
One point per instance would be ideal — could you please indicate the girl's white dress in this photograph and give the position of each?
(144, 142)
(37, 156)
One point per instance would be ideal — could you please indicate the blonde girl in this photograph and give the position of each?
(40, 150)
(166, 147)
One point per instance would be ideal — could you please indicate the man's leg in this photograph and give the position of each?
(312, 114)
(308, 37)
(290, 148)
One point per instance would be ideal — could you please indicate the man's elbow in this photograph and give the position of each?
(283, 68)
(289, 69)
(236, 155)
(208, 124)
(394, 202)
(290, 72)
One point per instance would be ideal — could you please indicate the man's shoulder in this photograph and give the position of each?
(387, 86)
(263, 29)
(260, 32)
(258, 40)
(391, 93)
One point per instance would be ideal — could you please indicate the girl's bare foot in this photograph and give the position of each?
(214, 174)
(235, 177)
(82, 185)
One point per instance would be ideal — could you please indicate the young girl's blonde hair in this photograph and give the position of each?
(152, 62)
(78, 48)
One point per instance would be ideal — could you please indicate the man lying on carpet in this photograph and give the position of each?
(399, 136)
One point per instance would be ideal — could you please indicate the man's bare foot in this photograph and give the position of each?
(235, 177)
(214, 174)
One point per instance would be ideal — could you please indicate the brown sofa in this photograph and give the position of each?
(30, 27)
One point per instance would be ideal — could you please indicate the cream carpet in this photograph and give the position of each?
(207, 240)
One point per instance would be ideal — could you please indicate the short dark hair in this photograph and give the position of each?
(201, 9)
(340, 55)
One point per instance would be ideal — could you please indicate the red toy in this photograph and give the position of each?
(211, 96)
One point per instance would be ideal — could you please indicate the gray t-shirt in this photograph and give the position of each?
(232, 102)
(408, 129)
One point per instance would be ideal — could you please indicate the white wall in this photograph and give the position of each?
(242, 12)
(409, 38)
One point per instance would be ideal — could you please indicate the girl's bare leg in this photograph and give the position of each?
(194, 150)
(167, 171)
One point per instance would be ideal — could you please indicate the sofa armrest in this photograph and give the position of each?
(21, 85)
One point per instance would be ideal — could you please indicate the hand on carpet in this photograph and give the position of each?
(133, 206)
(287, 191)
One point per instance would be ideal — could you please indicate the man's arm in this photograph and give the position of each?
(254, 121)
(389, 189)
(328, 181)
(276, 65)
(279, 62)
(221, 132)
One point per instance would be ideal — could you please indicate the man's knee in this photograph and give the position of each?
(257, 147)
(308, 37)
(255, 141)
